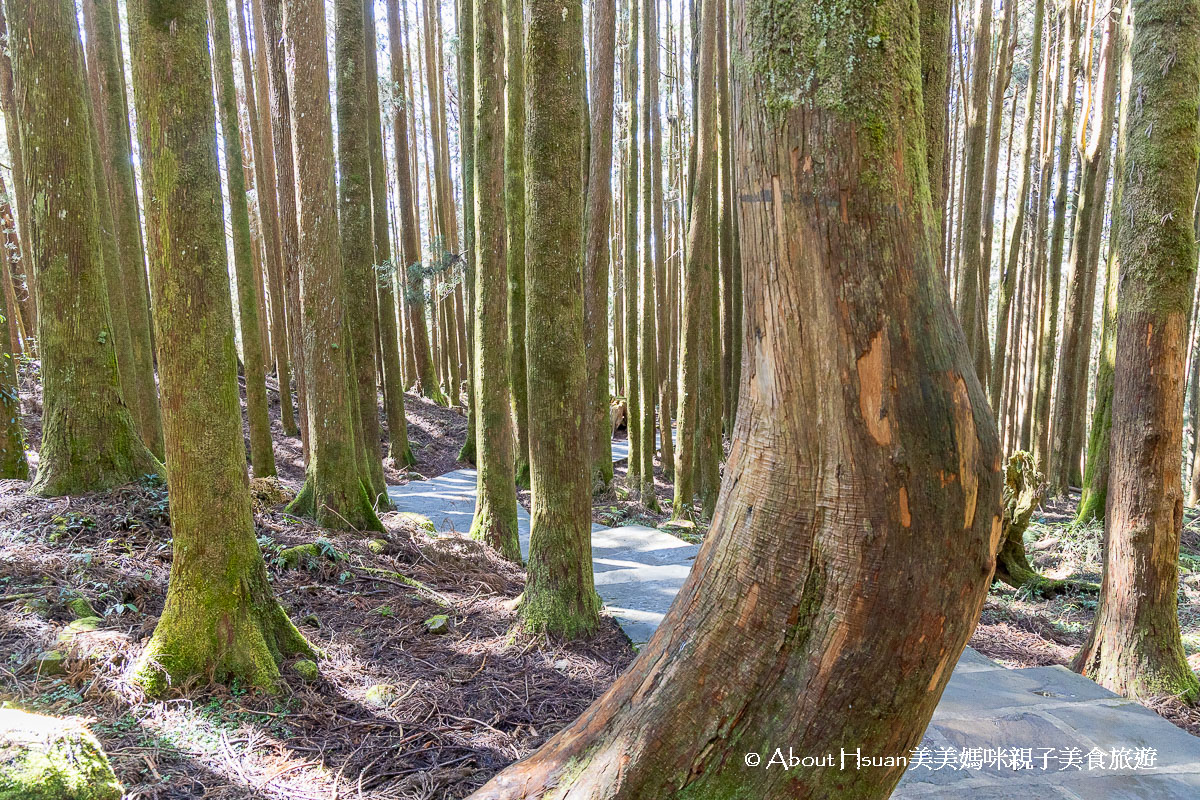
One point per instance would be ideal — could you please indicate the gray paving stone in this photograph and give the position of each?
(974, 692)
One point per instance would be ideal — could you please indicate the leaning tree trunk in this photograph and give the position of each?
(336, 493)
(221, 620)
(495, 519)
(106, 70)
(796, 586)
(596, 254)
(262, 456)
(1134, 647)
(89, 440)
(354, 228)
(560, 597)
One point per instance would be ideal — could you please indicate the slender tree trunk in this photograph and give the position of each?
(1071, 390)
(496, 509)
(13, 463)
(410, 232)
(8, 106)
(220, 620)
(514, 196)
(970, 303)
(729, 334)
(269, 39)
(107, 79)
(354, 228)
(596, 255)
(559, 597)
(336, 493)
(89, 439)
(633, 373)
(1134, 647)
(399, 451)
(262, 457)
(466, 137)
(1004, 301)
(268, 204)
(648, 331)
(783, 599)
(935, 89)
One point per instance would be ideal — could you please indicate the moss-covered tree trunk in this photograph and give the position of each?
(268, 206)
(514, 206)
(8, 106)
(560, 597)
(466, 133)
(410, 232)
(269, 39)
(495, 519)
(788, 597)
(1134, 647)
(354, 227)
(262, 456)
(935, 90)
(13, 463)
(220, 620)
(393, 374)
(89, 438)
(596, 246)
(336, 493)
(107, 80)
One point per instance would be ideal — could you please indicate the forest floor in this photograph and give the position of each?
(397, 710)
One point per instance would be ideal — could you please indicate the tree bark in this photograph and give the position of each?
(262, 456)
(935, 90)
(24, 221)
(632, 266)
(107, 79)
(514, 199)
(559, 598)
(354, 228)
(794, 588)
(13, 462)
(495, 519)
(651, 256)
(336, 493)
(1134, 647)
(596, 255)
(220, 620)
(89, 439)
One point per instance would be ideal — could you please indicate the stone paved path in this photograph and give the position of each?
(638, 571)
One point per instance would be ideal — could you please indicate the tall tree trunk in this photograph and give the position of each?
(935, 89)
(786, 598)
(268, 204)
(1134, 647)
(729, 334)
(262, 457)
(354, 228)
(971, 304)
(1008, 280)
(633, 373)
(466, 138)
(495, 519)
(107, 79)
(336, 493)
(12, 128)
(596, 254)
(399, 451)
(1044, 449)
(648, 331)
(664, 305)
(220, 620)
(559, 597)
(13, 463)
(268, 29)
(1071, 390)
(89, 439)
(410, 232)
(514, 197)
